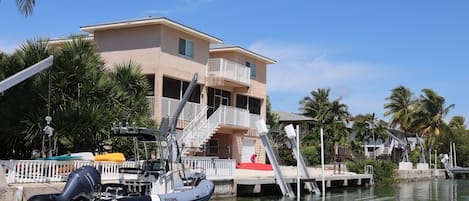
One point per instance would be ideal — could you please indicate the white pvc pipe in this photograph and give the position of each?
(298, 162)
(454, 152)
(322, 163)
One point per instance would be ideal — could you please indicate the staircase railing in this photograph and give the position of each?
(188, 133)
(202, 128)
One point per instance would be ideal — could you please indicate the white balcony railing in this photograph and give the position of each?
(227, 115)
(42, 171)
(229, 70)
(190, 110)
(253, 118)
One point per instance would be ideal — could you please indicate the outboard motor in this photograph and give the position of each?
(82, 184)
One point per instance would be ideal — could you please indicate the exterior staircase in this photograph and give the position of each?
(202, 127)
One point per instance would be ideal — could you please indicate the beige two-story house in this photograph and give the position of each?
(219, 119)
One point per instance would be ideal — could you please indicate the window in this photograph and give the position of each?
(254, 105)
(175, 89)
(195, 96)
(250, 103)
(218, 97)
(171, 88)
(213, 146)
(241, 101)
(252, 66)
(186, 47)
(215, 98)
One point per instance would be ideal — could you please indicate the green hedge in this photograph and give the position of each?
(383, 170)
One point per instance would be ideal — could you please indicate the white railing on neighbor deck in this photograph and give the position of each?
(227, 69)
(42, 171)
(169, 105)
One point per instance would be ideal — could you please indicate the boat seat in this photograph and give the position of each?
(114, 190)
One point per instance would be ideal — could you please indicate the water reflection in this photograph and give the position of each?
(450, 190)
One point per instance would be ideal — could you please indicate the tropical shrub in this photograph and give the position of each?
(383, 171)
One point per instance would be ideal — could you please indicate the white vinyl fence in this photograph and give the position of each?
(47, 171)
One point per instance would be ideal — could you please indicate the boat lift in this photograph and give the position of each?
(291, 134)
(402, 145)
(284, 186)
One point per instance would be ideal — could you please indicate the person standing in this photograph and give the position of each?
(253, 158)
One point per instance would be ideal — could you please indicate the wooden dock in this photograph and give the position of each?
(252, 181)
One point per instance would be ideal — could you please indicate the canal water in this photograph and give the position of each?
(448, 190)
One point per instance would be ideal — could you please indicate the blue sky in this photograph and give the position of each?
(359, 49)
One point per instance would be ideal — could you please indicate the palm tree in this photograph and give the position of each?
(26, 6)
(400, 106)
(431, 110)
(18, 102)
(457, 122)
(331, 115)
(134, 85)
(314, 104)
(84, 98)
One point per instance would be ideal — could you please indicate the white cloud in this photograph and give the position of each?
(302, 68)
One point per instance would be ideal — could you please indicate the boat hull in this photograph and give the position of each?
(84, 183)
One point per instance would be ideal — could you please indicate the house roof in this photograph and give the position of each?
(288, 116)
(150, 21)
(68, 39)
(226, 47)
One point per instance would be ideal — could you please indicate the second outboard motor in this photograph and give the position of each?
(82, 184)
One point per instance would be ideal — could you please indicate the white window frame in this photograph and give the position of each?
(188, 52)
(252, 68)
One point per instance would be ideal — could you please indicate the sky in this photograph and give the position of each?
(359, 49)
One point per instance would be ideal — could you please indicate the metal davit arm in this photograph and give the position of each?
(26, 73)
(402, 144)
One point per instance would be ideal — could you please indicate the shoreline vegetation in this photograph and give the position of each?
(419, 118)
(84, 102)
(383, 171)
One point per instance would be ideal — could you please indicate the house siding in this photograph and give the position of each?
(155, 48)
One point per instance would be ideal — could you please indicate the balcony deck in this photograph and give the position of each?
(223, 72)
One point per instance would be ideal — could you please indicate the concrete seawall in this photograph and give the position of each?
(417, 175)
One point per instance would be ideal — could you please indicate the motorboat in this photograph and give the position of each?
(153, 180)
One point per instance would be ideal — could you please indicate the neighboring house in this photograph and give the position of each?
(306, 123)
(389, 147)
(219, 119)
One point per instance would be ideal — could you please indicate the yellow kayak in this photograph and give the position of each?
(115, 157)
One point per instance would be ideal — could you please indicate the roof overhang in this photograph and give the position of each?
(65, 40)
(150, 21)
(244, 52)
